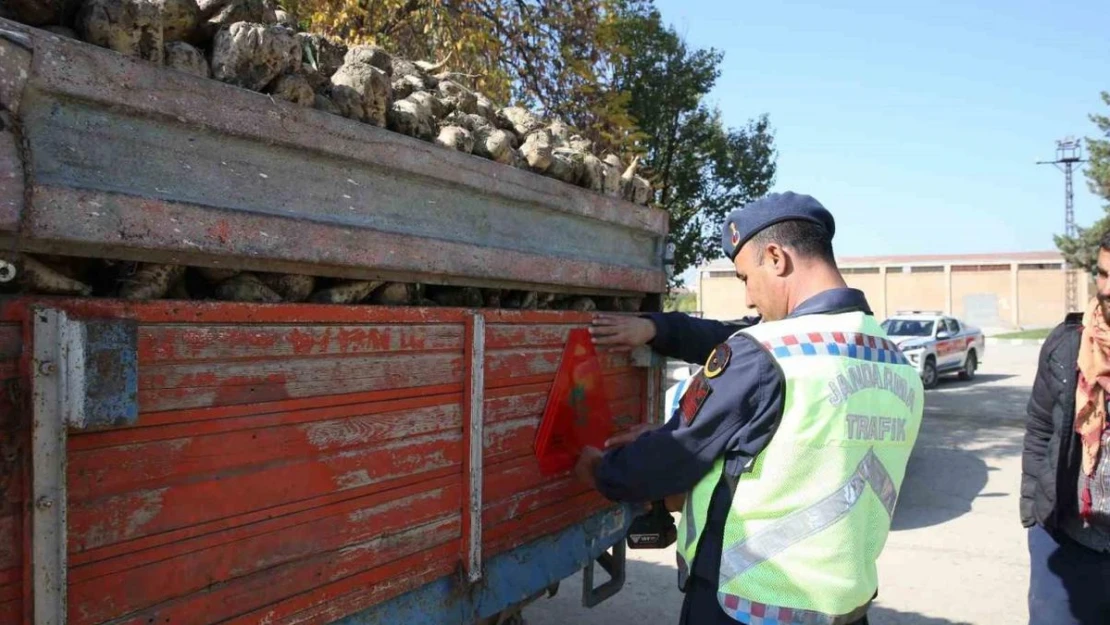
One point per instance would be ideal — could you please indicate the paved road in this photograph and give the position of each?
(956, 554)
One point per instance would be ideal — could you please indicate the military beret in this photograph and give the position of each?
(744, 223)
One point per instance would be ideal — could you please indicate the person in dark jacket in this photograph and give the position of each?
(1065, 482)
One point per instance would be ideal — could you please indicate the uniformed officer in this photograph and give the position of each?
(786, 450)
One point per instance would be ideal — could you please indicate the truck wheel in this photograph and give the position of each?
(929, 377)
(970, 365)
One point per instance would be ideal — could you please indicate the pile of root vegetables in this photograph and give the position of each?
(256, 45)
(82, 277)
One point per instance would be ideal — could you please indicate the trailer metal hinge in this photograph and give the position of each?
(614, 565)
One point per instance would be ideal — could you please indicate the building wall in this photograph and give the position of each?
(871, 284)
(924, 288)
(721, 297)
(991, 295)
(983, 295)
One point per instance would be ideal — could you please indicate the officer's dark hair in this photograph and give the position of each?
(804, 238)
(1104, 241)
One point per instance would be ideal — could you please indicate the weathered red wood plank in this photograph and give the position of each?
(396, 369)
(158, 344)
(228, 563)
(504, 336)
(158, 425)
(11, 612)
(171, 387)
(204, 535)
(508, 403)
(565, 489)
(11, 536)
(176, 312)
(184, 424)
(534, 317)
(542, 521)
(512, 438)
(359, 592)
(84, 569)
(278, 584)
(157, 464)
(506, 479)
(527, 363)
(96, 523)
(11, 341)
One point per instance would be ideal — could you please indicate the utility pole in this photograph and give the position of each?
(1068, 153)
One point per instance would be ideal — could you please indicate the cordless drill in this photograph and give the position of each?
(654, 530)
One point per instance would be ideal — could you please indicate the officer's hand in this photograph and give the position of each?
(622, 332)
(586, 466)
(625, 438)
(674, 503)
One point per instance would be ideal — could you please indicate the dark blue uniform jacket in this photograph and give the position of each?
(737, 420)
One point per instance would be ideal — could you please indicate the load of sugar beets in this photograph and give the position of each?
(256, 45)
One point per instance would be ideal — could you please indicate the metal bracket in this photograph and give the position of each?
(614, 565)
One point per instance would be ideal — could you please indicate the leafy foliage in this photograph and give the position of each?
(700, 168)
(1082, 250)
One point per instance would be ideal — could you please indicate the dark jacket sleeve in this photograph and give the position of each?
(689, 339)
(1039, 425)
(737, 420)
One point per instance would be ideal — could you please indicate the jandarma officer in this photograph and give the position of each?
(785, 451)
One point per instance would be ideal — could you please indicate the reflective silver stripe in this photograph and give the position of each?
(804, 523)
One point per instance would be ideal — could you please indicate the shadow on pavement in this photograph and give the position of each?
(967, 426)
(886, 616)
(650, 595)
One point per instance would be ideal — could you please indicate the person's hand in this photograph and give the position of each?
(674, 503)
(624, 438)
(622, 332)
(587, 464)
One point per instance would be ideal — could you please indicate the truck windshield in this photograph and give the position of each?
(908, 327)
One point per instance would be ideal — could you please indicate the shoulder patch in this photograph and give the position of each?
(718, 361)
(694, 398)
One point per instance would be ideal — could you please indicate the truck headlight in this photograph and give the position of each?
(913, 355)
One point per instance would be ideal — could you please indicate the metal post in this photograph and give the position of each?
(1068, 153)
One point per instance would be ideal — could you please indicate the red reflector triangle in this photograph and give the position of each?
(577, 411)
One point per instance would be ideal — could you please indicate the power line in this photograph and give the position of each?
(1069, 151)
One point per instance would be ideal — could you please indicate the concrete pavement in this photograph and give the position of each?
(956, 554)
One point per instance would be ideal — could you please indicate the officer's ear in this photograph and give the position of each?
(778, 261)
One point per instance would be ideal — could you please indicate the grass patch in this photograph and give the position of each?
(1026, 334)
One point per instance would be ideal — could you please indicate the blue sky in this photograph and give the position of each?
(917, 126)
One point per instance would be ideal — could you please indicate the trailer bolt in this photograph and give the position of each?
(44, 502)
(47, 368)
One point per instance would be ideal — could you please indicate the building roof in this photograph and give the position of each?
(1048, 256)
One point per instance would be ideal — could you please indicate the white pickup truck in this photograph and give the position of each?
(936, 344)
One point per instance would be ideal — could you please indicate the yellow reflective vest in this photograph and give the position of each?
(810, 517)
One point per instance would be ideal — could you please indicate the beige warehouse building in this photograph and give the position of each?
(995, 292)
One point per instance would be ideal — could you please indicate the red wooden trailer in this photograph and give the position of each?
(195, 462)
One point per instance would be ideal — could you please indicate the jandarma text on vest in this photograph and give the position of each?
(868, 376)
(865, 428)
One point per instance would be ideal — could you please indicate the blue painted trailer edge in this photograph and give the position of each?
(508, 578)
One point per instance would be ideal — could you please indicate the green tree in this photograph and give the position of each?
(1082, 250)
(700, 169)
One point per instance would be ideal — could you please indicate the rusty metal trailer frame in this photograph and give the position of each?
(107, 156)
